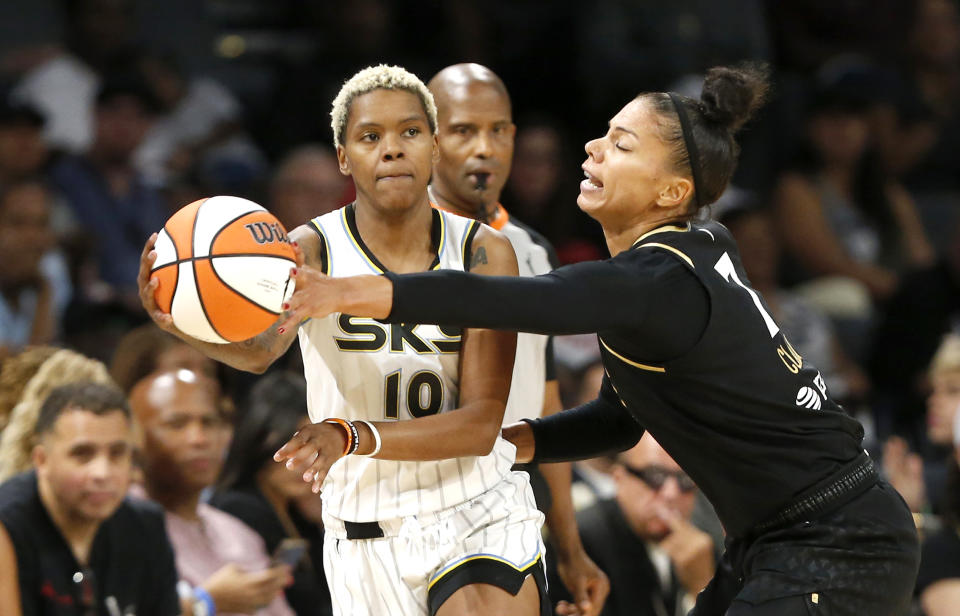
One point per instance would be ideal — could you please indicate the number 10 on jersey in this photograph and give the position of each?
(424, 394)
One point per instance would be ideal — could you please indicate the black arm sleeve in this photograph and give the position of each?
(599, 427)
(550, 362)
(653, 302)
(587, 297)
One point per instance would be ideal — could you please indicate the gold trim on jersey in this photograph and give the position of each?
(671, 249)
(326, 243)
(353, 240)
(443, 239)
(635, 364)
(452, 566)
(463, 242)
(366, 257)
(663, 229)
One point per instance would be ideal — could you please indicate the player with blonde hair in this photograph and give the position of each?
(422, 512)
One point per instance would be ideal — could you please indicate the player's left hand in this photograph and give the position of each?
(312, 451)
(585, 581)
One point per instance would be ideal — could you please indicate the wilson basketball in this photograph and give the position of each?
(224, 269)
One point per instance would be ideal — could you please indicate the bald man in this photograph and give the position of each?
(183, 443)
(476, 131)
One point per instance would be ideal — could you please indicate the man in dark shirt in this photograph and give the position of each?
(656, 559)
(69, 543)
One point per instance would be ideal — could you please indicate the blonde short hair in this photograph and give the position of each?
(947, 357)
(380, 77)
(61, 368)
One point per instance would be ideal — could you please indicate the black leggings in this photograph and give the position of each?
(860, 559)
(786, 606)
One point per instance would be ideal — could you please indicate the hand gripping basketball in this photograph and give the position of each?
(223, 269)
(148, 287)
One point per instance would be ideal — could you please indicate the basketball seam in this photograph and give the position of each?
(227, 256)
(213, 268)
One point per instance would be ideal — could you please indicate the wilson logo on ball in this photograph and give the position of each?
(266, 233)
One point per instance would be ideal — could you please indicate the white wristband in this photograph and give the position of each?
(376, 439)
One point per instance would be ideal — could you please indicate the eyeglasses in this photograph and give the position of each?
(656, 477)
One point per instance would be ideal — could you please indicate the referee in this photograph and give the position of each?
(692, 355)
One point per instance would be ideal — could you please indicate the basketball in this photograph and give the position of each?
(224, 269)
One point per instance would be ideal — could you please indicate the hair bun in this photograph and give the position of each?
(732, 94)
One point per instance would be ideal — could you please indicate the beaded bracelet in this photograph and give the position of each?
(353, 437)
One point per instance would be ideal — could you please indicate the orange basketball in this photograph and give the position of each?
(224, 269)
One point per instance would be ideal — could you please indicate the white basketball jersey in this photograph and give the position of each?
(529, 368)
(359, 368)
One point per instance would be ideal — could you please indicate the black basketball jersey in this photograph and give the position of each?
(742, 398)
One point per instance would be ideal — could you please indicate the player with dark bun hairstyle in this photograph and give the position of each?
(691, 354)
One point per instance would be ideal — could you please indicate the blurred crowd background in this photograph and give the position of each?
(115, 113)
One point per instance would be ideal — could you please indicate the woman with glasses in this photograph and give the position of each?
(692, 355)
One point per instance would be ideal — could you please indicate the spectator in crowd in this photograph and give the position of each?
(656, 42)
(924, 309)
(15, 372)
(265, 495)
(23, 152)
(184, 442)
(106, 193)
(838, 214)
(147, 349)
(18, 438)
(929, 97)
(69, 542)
(34, 282)
(200, 128)
(307, 183)
(808, 33)
(99, 40)
(938, 582)
(538, 191)
(656, 558)
(808, 329)
(920, 477)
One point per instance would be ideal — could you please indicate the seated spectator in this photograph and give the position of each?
(200, 127)
(69, 542)
(184, 442)
(307, 183)
(921, 477)
(643, 539)
(938, 582)
(22, 149)
(149, 349)
(34, 282)
(808, 329)
(838, 214)
(18, 438)
(15, 372)
(539, 188)
(264, 494)
(924, 309)
(106, 194)
(99, 36)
